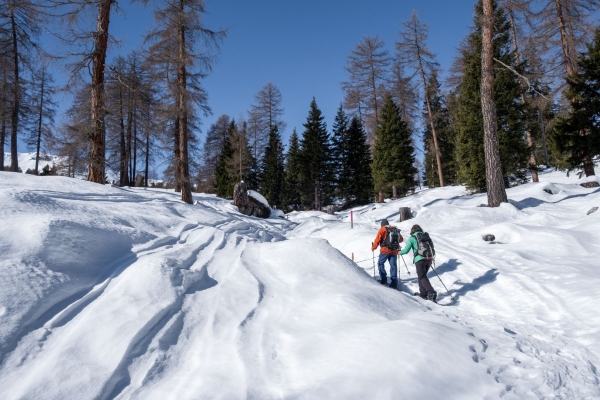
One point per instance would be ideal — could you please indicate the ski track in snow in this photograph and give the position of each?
(222, 307)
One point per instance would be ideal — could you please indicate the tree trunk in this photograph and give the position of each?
(405, 214)
(14, 162)
(177, 155)
(186, 190)
(147, 148)
(130, 181)
(570, 64)
(123, 173)
(134, 168)
(394, 192)
(39, 132)
(496, 192)
(380, 198)
(3, 117)
(97, 152)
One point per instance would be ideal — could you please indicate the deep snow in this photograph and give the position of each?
(128, 293)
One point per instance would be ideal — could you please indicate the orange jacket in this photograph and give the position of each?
(380, 238)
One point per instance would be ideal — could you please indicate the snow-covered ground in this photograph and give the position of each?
(130, 294)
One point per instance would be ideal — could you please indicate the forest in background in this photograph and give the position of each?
(523, 92)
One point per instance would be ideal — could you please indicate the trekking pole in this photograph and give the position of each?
(373, 259)
(406, 266)
(433, 267)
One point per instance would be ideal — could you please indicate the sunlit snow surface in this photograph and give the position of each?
(130, 293)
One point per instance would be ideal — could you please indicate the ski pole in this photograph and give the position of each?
(433, 267)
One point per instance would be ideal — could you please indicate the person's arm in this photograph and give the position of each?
(409, 245)
(377, 240)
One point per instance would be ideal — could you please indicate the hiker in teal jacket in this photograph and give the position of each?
(422, 265)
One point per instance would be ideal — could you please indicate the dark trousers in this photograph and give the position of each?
(424, 285)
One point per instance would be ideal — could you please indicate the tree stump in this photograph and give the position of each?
(590, 185)
(405, 214)
(248, 205)
(489, 238)
(330, 209)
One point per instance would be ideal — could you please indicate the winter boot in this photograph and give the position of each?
(394, 283)
(432, 296)
(383, 280)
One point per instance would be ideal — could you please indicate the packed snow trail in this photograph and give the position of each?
(130, 294)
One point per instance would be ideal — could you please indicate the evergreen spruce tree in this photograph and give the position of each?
(272, 176)
(224, 180)
(393, 155)
(443, 129)
(339, 153)
(358, 184)
(578, 136)
(292, 188)
(315, 159)
(468, 118)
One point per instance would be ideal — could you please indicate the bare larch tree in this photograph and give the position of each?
(367, 68)
(412, 50)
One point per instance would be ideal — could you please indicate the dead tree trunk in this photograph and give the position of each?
(496, 192)
(97, 156)
(405, 213)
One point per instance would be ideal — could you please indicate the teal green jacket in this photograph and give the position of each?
(411, 243)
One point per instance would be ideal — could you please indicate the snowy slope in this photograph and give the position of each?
(129, 293)
(27, 160)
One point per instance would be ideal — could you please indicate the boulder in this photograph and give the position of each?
(589, 185)
(248, 205)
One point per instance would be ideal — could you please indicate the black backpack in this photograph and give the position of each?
(426, 248)
(392, 239)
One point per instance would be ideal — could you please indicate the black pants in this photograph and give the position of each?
(424, 284)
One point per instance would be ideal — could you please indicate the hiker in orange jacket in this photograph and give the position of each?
(388, 252)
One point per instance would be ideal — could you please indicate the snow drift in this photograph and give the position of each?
(128, 293)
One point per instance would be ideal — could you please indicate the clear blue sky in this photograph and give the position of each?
(300, 46)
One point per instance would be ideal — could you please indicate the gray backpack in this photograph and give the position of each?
(426, 248)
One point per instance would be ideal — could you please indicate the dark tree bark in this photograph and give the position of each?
(123, 164)
(496, 192)
(405, 214)
(39, 127)
(96, 172)
(14, 124)
(184, 166)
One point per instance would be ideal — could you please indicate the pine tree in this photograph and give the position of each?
(315, 155)
(272, 176)
(358, 178)
(578, 135)
(224, 180)
(468, 117)
(292, 189)
(339, 142)
(393, 155)
(443, 127)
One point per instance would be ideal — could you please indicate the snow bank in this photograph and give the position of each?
(129, 293)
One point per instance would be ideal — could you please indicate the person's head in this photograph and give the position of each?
(384, 222)
(415, 228)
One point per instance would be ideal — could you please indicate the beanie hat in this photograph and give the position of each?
(384, 222)
(415, 228)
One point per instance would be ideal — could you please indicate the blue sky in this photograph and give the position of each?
(300, 46)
